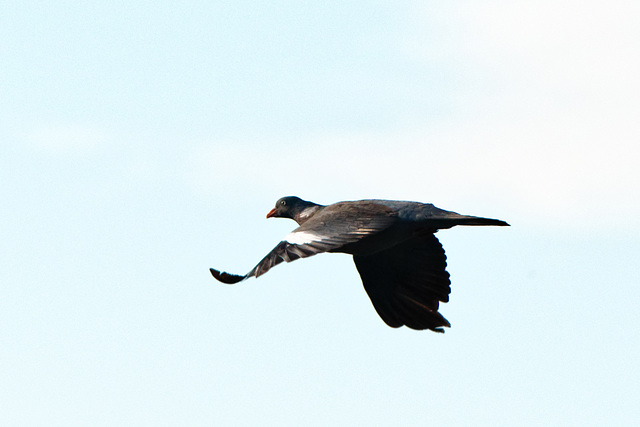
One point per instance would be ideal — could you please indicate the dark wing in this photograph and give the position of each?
(285, 251)
(407, 282)
(328, 230)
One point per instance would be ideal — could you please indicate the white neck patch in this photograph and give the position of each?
(308, 212)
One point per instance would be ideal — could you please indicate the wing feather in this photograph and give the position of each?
(328, 230)
(407, 282)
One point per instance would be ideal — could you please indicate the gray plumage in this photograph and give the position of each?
(400, 261)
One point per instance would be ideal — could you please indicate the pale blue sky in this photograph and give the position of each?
(143, 143)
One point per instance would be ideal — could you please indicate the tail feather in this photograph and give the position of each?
(475, 220)
(453, 219)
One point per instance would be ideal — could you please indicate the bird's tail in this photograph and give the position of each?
(451, 219)
(476, 220)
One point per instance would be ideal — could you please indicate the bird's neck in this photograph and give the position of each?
(306, 213)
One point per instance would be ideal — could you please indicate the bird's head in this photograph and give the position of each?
(293, 207)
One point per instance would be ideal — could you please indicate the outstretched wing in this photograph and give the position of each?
(285, 251)
(330, 229)
(406, 283)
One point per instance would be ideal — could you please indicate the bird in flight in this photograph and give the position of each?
(401, 262)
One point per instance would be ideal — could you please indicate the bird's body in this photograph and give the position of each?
(400, 261)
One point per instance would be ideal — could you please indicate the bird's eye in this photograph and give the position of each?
(282, 203)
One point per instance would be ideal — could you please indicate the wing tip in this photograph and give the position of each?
(225, 277)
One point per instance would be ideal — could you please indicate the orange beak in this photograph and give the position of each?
(271, 213)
